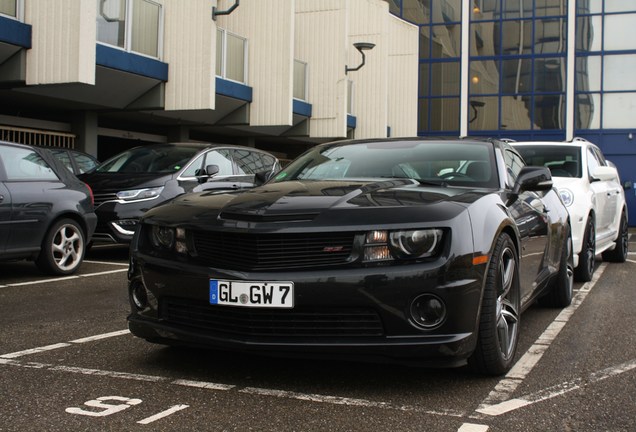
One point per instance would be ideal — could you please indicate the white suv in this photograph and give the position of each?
(591, 189)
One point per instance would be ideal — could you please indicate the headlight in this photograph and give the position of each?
(415, 243)
(566, 196)
(169, 238)
(162, 236)
(140, 194)
(401, 244)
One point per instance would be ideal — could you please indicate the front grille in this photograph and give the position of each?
(235, 321)
(101, 198)
(249, 252)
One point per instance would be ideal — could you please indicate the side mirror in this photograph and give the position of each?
(262, 177)
(604, 173)
(205, 174)
(533, 178)
(628, 185)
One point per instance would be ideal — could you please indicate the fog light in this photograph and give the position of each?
(138, 295)
(428, 311)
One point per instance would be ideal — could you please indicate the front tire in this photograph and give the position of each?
(585, 270)
(620, 251)
(62, 249)
(500, 312)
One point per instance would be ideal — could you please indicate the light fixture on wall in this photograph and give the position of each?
(362, 47)
(474, 104)
(216, 12)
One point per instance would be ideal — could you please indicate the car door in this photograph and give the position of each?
(5, 213)
(613, 193)
(531, 217)
(31, 184)
(195, 179)
(600, 191)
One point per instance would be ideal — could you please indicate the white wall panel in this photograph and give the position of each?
(63, 41)
(403, 41)
(321, 41)
(369, 23)
(269, 27)
(190, 51)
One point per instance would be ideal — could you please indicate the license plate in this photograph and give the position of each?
(252, 294)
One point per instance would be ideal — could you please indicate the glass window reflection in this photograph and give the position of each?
(444, 114)
(589, 30)
(619, 110)
(619, 72)
(516, 113)
(484, 77)
(589, 6)
(483, 113)
(587, 111)
(446, 10)
(517, 8)
(446, 41)
(549, 112)
(623, 34)
(516, 76)
(445, 79)
(417, 11)
(549, 75)
(588, 73)
(516, 37)
(551, 7)
(619, 5)
(550, 36)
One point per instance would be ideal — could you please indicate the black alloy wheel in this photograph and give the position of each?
(620, 251)
(585, 270)
(500, 312)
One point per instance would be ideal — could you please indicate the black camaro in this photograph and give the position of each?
(400, 249)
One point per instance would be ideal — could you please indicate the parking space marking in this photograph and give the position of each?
(557, 390)
(163, 414)
(106, 263)
(60, 279)
(507, 386)
(63, 344)
(471, 427)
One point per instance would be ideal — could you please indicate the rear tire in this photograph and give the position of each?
(62, 249)
(500, 312)
(585, 270)
(560, 291)
(620, 251)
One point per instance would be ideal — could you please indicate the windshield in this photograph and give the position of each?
(563, 161)
(154, 159)
(438, 162)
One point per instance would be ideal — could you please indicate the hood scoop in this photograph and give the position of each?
(255, 217)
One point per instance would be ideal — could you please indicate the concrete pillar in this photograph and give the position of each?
(179, 134)
(85, 128)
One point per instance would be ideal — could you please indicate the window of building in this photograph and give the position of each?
(231, 56)
(10, 8)
(300, 80)
(132, 25)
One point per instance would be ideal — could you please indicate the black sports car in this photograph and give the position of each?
(402, 249)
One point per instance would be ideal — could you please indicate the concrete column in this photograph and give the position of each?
(179, 134)
(85, 128)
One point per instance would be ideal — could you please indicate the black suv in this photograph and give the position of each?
(132, 182)
(46, 213)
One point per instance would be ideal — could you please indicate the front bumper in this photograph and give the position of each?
(179, 312)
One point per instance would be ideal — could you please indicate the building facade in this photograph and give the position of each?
(530, 70)
(282, 75)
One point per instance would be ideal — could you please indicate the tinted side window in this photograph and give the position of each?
(222, 159)
(63, 156)
(22, 164)
(592, 161)
(250, 162)
(514, 163)
(84, 163)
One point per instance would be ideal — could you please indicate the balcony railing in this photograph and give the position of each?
(231, 56)
(132, 25)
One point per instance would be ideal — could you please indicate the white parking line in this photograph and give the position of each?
(60, 279)
(163, 414)
(470, 427)
(106, 263)
(506, 387)
(63, 345)
(101, 336)
(557, 390)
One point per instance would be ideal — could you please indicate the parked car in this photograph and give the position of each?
(360, 249)
(76, 161)
(46, 213)
(132, 182)
(592, 191)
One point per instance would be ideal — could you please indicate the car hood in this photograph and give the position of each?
(102, 182)
(338, 203)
